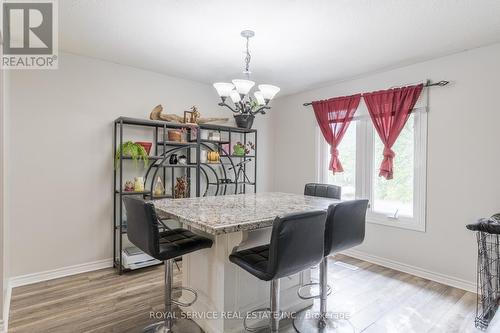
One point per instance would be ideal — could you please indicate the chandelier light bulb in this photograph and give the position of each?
(235, 97)
(259, 97)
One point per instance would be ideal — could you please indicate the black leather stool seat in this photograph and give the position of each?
(177, 242)
(255, 261)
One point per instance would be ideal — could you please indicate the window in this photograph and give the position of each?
(395, 196)
(346, 179)
(397, 202)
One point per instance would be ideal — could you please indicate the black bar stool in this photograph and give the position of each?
(143, 232)
(345, 228)
(296, 244)
(323, 190)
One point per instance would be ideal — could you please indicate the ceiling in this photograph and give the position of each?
(299, 45)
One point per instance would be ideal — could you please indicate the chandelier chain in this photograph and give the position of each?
(247, 59)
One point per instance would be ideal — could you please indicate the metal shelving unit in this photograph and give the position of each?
(218, 178)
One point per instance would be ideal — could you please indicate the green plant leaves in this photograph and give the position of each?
(133, 150)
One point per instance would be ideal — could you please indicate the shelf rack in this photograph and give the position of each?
(219, 178)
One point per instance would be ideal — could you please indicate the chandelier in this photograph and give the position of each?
(238, 91)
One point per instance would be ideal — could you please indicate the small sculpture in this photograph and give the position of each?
(182, 160)
(157, 114)
(129, 186)
(195, 116)
(181, 190)
(173, 159)
(191, 117)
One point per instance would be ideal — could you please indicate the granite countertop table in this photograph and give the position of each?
(238, 212)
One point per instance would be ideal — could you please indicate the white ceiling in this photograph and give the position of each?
(298, 45)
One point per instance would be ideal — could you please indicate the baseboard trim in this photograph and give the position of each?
(417, 271)
(6, 308)
(24, 280)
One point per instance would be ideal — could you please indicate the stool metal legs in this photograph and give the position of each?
(172, 324)
(323, 281)
(310, 321)
(275, 305)
(274, 311)
(169, 276)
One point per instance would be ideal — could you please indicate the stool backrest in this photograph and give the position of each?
(142, 225)
(323, 190)
(345, 225)
(297, 243)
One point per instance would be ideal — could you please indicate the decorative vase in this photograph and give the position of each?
(173, 159)
(238, 150)
(174, 135)
(203, 156)
(139, 184)
(244, 120)
(159, 189)
(213, 157)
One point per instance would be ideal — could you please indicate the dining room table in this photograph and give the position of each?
(239, 221)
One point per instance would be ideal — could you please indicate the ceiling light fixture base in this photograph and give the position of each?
(247, 33)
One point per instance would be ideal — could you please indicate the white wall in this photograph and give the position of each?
(60, 156)
(463, 157)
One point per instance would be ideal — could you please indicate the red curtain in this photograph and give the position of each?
(334, 116)
(389, 110)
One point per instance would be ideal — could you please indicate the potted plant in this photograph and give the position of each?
(245, 119)
(134, 150)
(239, 148)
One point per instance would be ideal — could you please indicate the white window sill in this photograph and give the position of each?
(402, 223)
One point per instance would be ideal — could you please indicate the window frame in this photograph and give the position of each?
(365, 147)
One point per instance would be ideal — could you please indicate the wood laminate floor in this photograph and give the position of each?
(377, 299)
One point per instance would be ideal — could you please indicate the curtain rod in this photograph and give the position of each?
(427, 84)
